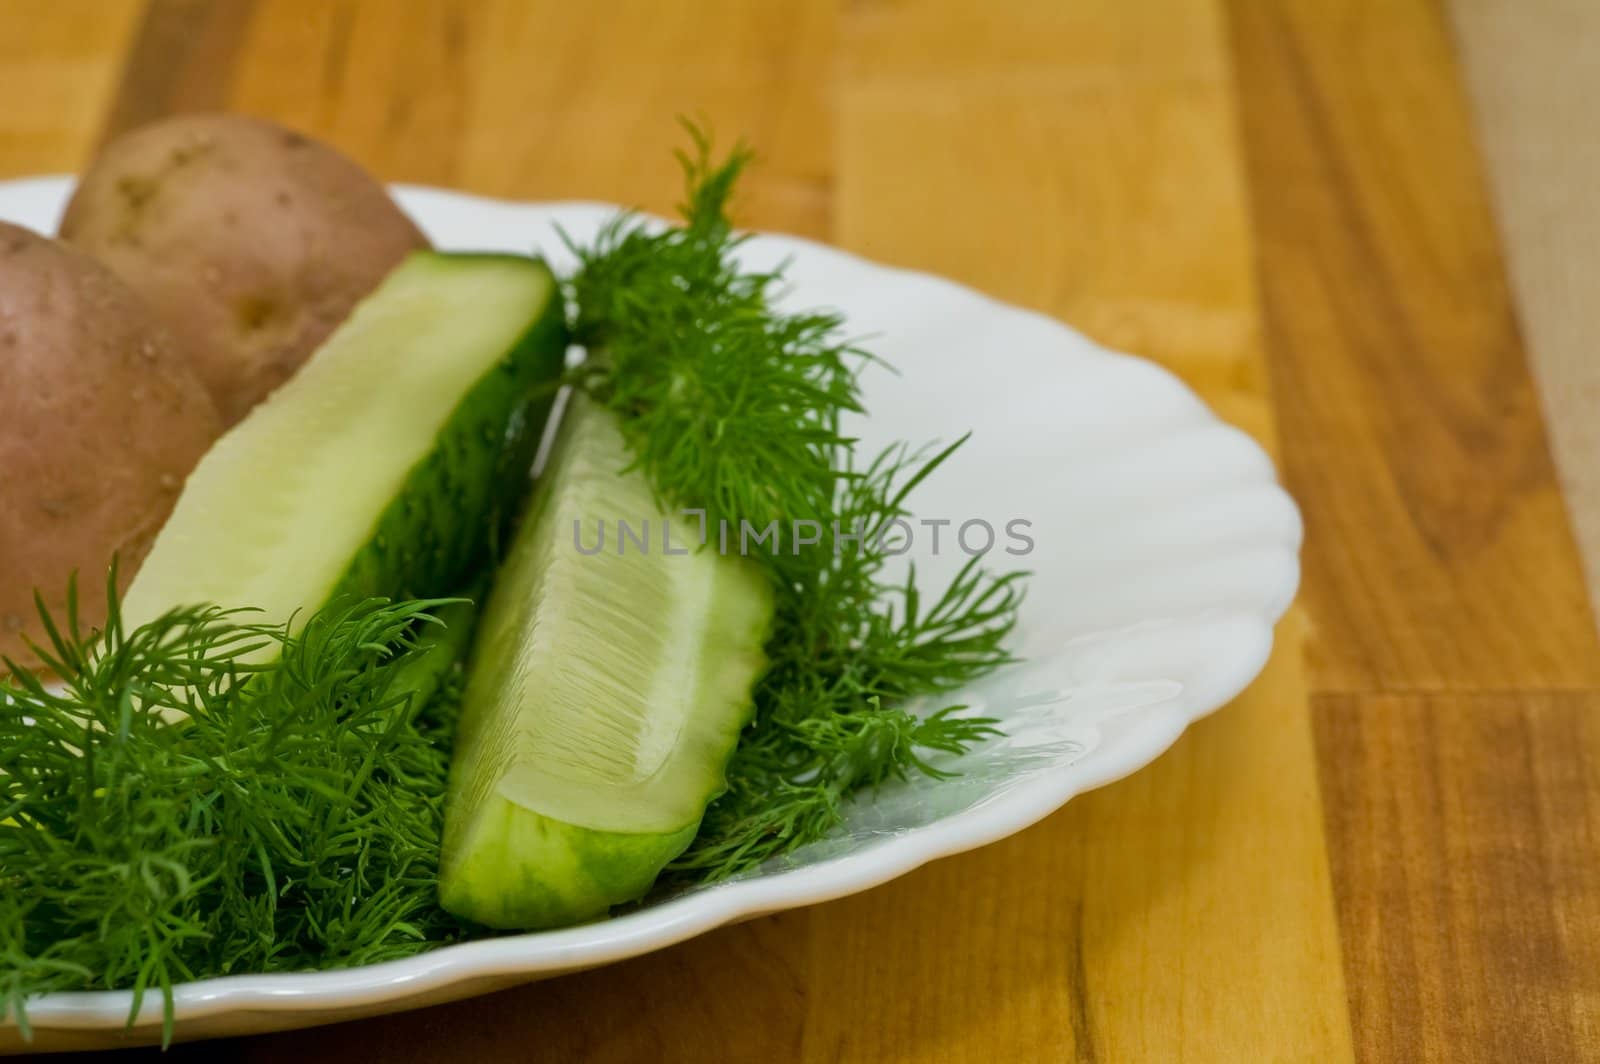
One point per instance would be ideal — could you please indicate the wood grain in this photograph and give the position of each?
(1082, 159)
(582, 101)
(415, 129)
(180, 62)
(59, 64)
(1529, 73)
(1463, 830)
(1438, 553)
(556, 101)
(1439, 558)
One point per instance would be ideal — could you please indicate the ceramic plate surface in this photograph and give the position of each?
(1162, 552)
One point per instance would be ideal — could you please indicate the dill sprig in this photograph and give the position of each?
(735, 408)
(726, 405)
(289, 820)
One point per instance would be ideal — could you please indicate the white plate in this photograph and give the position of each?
(1164, 552)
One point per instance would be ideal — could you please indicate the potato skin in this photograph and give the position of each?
(101, 419)
(250, 241)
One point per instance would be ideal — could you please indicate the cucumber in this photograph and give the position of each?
(388, 465)
(604, 696)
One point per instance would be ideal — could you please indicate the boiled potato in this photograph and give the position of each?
(101, 419)
(250, 241)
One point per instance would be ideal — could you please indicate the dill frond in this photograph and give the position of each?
(289, 821)
(733, 407)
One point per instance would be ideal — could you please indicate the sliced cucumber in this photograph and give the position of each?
(605, 694)
(386, 465)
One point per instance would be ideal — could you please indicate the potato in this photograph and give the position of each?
(250, 241)
(101, 419)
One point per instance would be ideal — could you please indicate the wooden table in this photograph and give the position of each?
(1388, 848)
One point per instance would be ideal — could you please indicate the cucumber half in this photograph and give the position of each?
(386, 465)
(606, 691)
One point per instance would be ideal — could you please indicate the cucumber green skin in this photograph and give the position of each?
(449, 517)
(567, 874)
(523, 871)
(507, 865)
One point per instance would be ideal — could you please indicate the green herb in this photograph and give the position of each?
(734, 407)
(728, 405)
(291, 822)
(291, 819)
